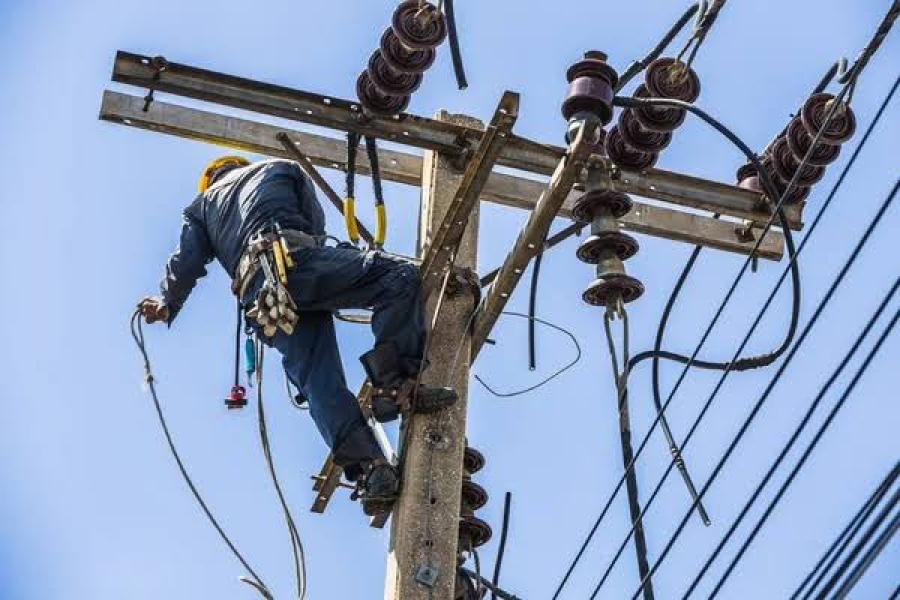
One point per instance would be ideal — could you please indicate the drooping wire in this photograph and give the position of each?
(532, 310)
(787, 361)
(621, 380)
(455, 52)
(297, 550)
(504, 530)
(839, 546)
(790, 444)
(815, 223)
(735, 364)
(544, 381)
(772, 192)
(137, 333)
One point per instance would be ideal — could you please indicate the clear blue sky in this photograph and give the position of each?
(91, 506)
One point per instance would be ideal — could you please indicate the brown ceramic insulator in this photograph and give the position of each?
(473, 496)
(401, 58)
(746, 171)
(798, 193)
(642, 140)
(473, 460)
(657, 118)
(593, 248)
(473, 532)
(591, 87)
(624, 155)
(587, 206)
(391, 82)
(670, 78)
(841, 126)
(786, 165)
(799, 140)
(604, 290)
(416, 32)
(377, 102)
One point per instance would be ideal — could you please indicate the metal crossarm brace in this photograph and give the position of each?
(448, 138)
(442, 246)
(532, 236)
(400, 167)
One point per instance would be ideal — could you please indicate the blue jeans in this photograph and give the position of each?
(327, 279)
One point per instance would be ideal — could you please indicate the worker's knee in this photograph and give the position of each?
(403, 279)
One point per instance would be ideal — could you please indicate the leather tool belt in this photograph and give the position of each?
(249, 266)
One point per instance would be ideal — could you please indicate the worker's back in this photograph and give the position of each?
(247, 199)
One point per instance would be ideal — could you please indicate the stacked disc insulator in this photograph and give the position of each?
(607, 247)
(406, 51)
(782, 159)
(642, 133)
(473, 532)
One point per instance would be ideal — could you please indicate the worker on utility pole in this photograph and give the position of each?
(264, 224)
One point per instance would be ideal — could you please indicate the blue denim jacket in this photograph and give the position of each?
(220, 221)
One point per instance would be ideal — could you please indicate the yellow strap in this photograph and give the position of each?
(279, 262)
(350, 219)
(288, 259)
(380, 224)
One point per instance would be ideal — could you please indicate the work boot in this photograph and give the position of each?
(395, 390)
(378, 488)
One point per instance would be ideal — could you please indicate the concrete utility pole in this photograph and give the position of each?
(423, 548)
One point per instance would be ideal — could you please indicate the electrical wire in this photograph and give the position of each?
(868, 558)
(815, 223)
(772, 192)
(504, 530)
(803, 335)
(137, 333)
(532, 309)
(879, 520)
(789, 445)
(455, 52)
(818, 573)
(544, 381)
(297, 550)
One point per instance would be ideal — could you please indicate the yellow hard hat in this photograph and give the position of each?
(214, 165)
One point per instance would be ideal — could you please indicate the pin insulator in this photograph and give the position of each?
(473, 460)
(473, 496)
(605, 289)
(591, 203)
(593, 248)
(473, 532)
(592, 84)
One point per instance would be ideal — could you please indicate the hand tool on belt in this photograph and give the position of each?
(270, 251)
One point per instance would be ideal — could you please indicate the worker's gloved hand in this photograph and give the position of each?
(154, 309)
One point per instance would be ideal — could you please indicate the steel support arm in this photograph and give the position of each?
(401, 167)
(449, 139)
(532, 236)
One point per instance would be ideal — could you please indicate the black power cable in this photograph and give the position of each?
(879, 520)
(137, 332)
(790, 444)
(772, 192)
(507, 505)
(837, 185)
(801, 339)
(455, 52)
(818, 573)
(868, 558)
